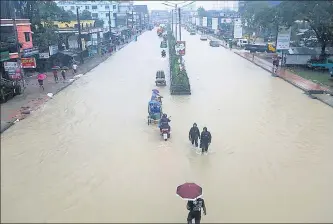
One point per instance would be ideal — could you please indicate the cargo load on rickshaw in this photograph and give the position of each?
(160, 78)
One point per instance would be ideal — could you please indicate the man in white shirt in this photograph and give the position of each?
(74, 67)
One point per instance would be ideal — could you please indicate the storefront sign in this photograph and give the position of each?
(180, 48)
(53, 49)
(44, 55)
(28, 63)
(10, 66)
(30, 51)
(4, 56)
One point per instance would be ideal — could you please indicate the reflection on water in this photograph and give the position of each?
(89, 156)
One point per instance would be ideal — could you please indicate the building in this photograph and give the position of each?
(125, 9)
(98, 9)
(23, 33)
(142, 16)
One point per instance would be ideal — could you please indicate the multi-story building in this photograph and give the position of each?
(142, 17)
(125, 9)
(24, 36)
(98, 9)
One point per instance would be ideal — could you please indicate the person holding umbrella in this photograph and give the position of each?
(193, 194)
(63, 72)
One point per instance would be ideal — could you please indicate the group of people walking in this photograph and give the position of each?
(205, 138)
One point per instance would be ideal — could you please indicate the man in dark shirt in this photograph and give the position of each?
(194, 135)
(194, 208)
(206, 139)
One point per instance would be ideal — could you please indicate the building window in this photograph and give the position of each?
(107, 14)
(27, 36)
(72, 7)
(87, 7)
(94, 7)
(114, 7)
(94, 15)
(107, 7)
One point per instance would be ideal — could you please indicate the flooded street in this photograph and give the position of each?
(89, 156)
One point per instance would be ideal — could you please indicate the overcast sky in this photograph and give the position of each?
(153, 5)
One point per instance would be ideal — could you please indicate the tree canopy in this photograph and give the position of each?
(260, 15)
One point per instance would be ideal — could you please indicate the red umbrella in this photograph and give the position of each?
(189, 191)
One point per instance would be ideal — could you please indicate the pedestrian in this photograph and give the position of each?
(74, 66)
(55, 75)
(194, 135)
(194, 208)
(276, 63)
(63, 74)
(205, 140)
(40, 77)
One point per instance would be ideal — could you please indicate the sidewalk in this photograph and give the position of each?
(33, 97)
(307, 86)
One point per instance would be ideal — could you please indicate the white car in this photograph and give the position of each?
(203, 37)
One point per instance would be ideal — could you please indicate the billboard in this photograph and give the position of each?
(238, 29)
(180, 48)
(204, 21)
(197, 21)
(215, 22)
(283, 38)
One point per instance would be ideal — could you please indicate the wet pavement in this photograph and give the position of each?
(33, 96)
(88, 155)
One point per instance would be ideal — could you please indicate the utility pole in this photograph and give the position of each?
(172, 21)
(79, 38)
(18, 47)
(176, 21)
(110, 27)
(132, 19)
(180, 27)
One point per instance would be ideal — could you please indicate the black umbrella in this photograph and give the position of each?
(65, 68)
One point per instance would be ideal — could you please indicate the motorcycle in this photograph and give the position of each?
(165, 133)
(163, 54)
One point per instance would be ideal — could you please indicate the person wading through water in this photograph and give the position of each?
(205, 140)
(194, 135)
(194, 208)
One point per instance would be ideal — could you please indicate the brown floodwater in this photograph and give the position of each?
(89, 156)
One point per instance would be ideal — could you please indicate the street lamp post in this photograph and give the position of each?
(79, 38)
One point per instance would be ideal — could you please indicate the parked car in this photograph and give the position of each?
(192, 32)
(214, 43)
(269, 48)
(203, 37)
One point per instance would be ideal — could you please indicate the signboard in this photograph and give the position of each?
(204, 21)
(283, 38)
(4, 56)
(180, 48)
(10, 66)
(215, 22)
(28, 62)
(193, 20)
(44, 55)
(53, 49)
(238, 30)
(30, 51)
(197, 21)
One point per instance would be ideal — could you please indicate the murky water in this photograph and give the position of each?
(89, 156)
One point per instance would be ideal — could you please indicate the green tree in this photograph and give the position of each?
(318, 14)
(99, 23)
(201, 12)
(85, 15)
